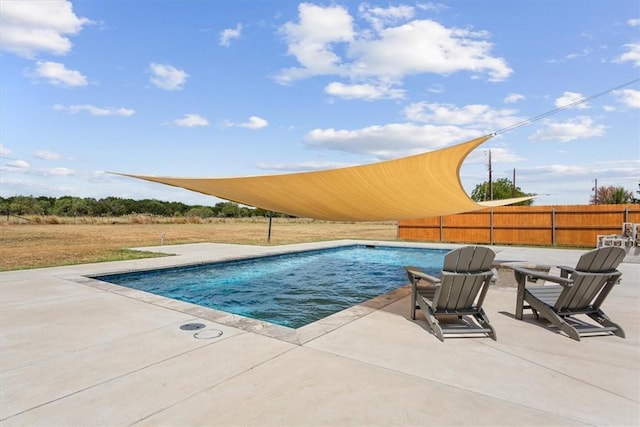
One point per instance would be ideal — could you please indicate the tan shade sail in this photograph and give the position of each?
(412, 187)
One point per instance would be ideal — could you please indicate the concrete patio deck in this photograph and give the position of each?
(76, 351)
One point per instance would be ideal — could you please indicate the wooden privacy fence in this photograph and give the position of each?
(576, 225)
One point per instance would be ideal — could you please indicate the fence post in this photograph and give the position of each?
(491, 227)
(626, 214)
(440, 224)
(553, 226)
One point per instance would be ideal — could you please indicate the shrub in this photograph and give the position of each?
(52, 219)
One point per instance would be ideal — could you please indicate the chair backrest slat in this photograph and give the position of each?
(445, 292)
(585, 289)
(468, 259)
(474, 283)
(456, 285)
(593, 271)
(465, 270)
(600, 260)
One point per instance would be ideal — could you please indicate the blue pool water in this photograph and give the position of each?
(292, 289)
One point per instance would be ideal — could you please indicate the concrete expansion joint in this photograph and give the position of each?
(557, 372)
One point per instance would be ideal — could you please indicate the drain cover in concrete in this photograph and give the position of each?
(208, 334)
(192, 326)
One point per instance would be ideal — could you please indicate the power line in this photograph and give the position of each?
(564, 107)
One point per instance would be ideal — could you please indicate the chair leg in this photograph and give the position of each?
(414, 299)
(437, 330)
(492, 334)
(434, 324)
(483, 319)
(520, 280)
(603, 320)
(554, 318)
(569, 330)
(413, 304)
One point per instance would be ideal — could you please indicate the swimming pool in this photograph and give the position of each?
(292, 289)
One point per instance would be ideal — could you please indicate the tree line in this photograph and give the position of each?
(69, 206)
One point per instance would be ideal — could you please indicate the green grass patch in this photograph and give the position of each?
(109, 255)
(128, 254)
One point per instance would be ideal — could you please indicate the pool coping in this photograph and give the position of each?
(297, 336)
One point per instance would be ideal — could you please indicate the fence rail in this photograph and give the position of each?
(574, 225)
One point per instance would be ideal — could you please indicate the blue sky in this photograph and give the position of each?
(236, 87)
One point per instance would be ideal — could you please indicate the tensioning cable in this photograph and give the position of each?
(564, 107)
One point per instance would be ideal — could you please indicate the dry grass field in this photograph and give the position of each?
(52, 242)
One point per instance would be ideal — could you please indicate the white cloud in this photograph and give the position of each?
(628, 97)
(391, 140)
(623, 165)
(191, 120)
(584, 52)
(95, 111)
(476, 115)
(569, 98)
(167, 76)
(380, 17)
(631, 55)
(58, 74)
(254, 122)
(571, 170)
(513, 98)
(363, 91)
(498, 155)
(46, 155)
(504, 155)
(324, 42)
(4, 151)
(577, 128)
(310, 40)
(302, 166)
(14, 186)
(426, 46)
(436, 88)
(634, 22)
(58, 172)
(561, 184)
(437, 7)
(18, 164)
(229, 34)
(24, 167)
(31, 26)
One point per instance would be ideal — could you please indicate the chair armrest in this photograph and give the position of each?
(547, 277)
(416, 273)
(566, 270)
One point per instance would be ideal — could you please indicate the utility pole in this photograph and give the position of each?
(513, 184)
(490, 179)
(595, 192)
